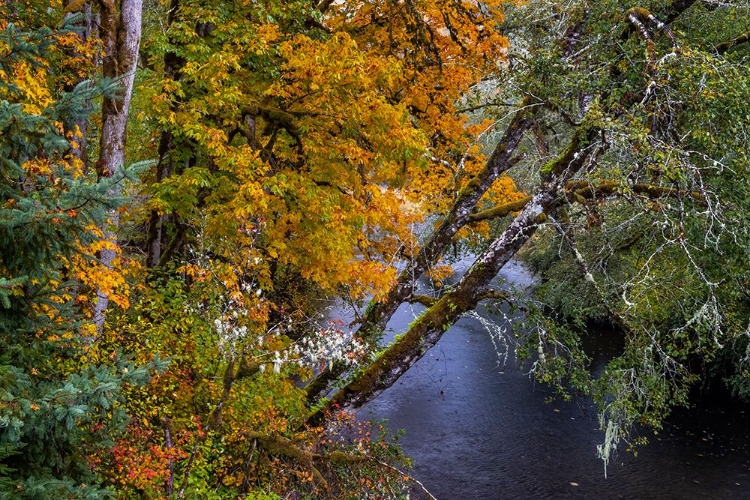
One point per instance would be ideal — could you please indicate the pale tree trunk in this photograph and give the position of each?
(121, 36)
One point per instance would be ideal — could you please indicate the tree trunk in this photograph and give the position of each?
(472, 288)
(374, 322)
(164, 169)
(376, 319)
(429, 328)
(121, 37)
(501, 160)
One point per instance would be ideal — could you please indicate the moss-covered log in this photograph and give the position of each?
(725, 46)
(429, 328)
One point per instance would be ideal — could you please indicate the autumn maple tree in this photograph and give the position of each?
(295, 147)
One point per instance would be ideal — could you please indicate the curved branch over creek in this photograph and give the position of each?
(502, 160)
(429, 328)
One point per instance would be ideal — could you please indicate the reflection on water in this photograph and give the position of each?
(478, 429)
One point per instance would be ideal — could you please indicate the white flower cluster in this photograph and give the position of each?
(330, 345)
(228, 328)
(316, 351)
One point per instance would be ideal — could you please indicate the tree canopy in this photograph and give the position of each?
(160, 286)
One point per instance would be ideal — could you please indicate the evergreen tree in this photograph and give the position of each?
(57, 405)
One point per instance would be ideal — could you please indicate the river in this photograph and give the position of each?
(478, 428)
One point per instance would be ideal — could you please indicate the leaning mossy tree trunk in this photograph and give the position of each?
(474, 285)
(502, 159)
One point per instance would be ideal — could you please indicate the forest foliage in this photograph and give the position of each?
(160, 297)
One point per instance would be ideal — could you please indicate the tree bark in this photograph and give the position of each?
(121, 37)
(164, 169)
(725, 46)
(460, 214)
(385, 371)
(430, 327)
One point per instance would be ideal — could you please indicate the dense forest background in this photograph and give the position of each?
(183, 181)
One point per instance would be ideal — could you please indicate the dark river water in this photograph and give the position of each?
(478, 428)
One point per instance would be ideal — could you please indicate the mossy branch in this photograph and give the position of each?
(491, 293)
(500, 211)
(425, 300)
(725, 46)
(574, 154)
(581, 191)
(279, 445)
(586, 190)
(499, 162)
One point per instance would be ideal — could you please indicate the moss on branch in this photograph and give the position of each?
(500, 211)
(725, 46)
(425, 300)
(580, 191)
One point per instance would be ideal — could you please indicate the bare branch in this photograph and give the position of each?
(617, 318)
